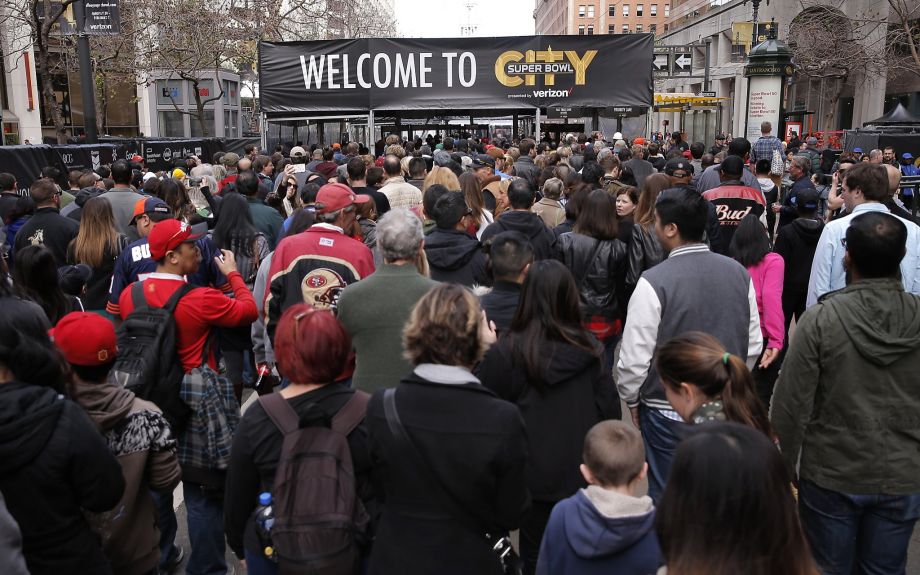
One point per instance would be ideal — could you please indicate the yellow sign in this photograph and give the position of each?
(514, 68)
(743, 33)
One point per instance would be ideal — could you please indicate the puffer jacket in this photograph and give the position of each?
(599, 266)
(644, 252)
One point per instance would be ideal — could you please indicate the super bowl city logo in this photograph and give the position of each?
(513, 69)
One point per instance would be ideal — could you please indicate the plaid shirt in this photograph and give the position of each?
(763, 149)
(205, 443)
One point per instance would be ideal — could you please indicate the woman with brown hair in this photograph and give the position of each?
(98, 244)
(173, 192)
(644, 249)
(448, 455)
(703, 382)
(597, 259)
(472, 191)
(626, 199)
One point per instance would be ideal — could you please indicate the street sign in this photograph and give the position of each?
(660, 65)
(707, 94)
(683, 63)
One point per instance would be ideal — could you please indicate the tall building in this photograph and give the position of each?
(828, 100)
(588, 17)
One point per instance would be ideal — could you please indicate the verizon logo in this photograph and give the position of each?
(553, 93)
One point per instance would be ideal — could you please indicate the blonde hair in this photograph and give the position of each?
(97, 234)
(443, 176)
(444, 328)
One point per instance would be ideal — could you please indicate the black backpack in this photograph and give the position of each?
(148, 363)
(320, 522)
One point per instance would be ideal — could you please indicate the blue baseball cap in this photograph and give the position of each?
(907, 156)
(857, 150)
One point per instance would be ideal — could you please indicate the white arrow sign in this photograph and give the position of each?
(660, 62)
(683, 61)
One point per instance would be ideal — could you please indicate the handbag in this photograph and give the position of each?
(500, 544)
(777, 166)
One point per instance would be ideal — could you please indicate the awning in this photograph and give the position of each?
(672, 99)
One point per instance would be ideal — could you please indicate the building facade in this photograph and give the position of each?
(825, 105)
(588, 17)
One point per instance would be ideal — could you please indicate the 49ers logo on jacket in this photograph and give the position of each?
(321, 288)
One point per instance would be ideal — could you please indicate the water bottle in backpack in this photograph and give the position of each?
(265, 519)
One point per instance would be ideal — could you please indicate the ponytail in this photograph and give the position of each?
(700, 359)
(739, 401)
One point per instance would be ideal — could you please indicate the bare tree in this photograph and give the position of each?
(838, 46)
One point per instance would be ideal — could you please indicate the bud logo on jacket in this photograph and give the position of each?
(512, 72)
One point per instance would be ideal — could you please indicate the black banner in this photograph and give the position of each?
(102, 18)
(84, 156)
(456, 73)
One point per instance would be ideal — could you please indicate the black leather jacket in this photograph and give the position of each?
(644, 252)
(599, 266)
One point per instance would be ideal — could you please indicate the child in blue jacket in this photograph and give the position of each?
(604, 528)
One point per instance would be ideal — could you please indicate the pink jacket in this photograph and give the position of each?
(768, 285)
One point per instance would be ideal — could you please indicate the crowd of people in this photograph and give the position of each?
(386, 361)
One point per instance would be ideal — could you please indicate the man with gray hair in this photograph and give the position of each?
(374, 311)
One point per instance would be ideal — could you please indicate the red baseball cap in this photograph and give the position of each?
(167, 236)
(85, 338)
(334, 197)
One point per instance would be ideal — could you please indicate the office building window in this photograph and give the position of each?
(612, 10)
(653, 10)
(639, 9)
(581, 10)
(611, 29)
(653, 28)
(581, 30)
(667, 10)
(638, 28)
(590, 11)
(171, 124)
(590, 30)
(626, 28)
(625, 10)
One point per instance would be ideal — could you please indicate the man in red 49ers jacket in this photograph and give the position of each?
(315, 266)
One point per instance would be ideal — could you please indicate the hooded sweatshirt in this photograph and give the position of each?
(55, 465)
(541, 237)
(558, 412)
(455, 256)
(75, 210)
(849, 384)
(598, 532)
(138, 435)
(797, 243)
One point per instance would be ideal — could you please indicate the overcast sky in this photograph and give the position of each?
(444, 18)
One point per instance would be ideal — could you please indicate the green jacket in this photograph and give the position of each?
(266, 219)
(374, 312)
(848, 396)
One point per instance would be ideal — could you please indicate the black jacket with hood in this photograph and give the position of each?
(55, 466)
(797, 243)
(455, 256)
(74, 211)
(528, 223)
(576, 395)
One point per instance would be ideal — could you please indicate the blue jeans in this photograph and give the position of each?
(205, 509)
(661, 436)
(870, 532)
(166, 521)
